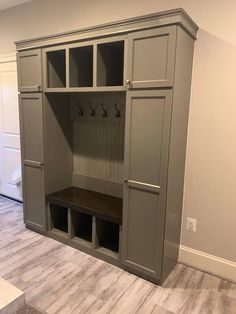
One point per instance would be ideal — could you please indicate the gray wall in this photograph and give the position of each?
(211, 168)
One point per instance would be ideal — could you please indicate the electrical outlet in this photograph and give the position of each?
(191, 224)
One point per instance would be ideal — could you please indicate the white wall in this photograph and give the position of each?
(210, 188)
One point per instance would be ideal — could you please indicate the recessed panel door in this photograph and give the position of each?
(151, 58)
(146, 155)
(34, 196)
(31, 124)
(31, 111)
(29, 71)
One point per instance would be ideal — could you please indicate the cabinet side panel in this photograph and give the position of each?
(58, 142)
(178, 139)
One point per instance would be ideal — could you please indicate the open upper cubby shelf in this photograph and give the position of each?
(81, 66)
(93, 67)
(56, 69)
(110, 64)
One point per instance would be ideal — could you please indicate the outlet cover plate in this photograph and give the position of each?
(191, 224)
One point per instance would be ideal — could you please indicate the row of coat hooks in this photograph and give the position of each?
(93, 111)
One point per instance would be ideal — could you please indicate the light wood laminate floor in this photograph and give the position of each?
(59, 279)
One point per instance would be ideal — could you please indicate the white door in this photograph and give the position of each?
(10, 158)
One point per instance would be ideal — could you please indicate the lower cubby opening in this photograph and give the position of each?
(59, 218)
(87, 210)
(108, 235)
(81, 226)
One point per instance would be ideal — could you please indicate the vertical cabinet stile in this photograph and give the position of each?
(95, 49)
(67, 68)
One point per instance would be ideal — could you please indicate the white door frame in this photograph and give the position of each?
(9, 140)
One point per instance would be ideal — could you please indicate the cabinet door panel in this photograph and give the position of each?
(151, 57)
(34, 197)
(142, 231)
(147, 130)
(29, 80)
(148, 120)
(32, 126)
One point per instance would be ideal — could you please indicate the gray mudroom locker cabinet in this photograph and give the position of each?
(104, 118)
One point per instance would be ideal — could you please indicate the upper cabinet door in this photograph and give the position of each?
(29, 69)
(151, 58)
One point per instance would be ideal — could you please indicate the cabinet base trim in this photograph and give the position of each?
(37, 227)
(34, 228)
(84, 248)
(141, 274)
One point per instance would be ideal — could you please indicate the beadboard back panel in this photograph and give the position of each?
(98, 129)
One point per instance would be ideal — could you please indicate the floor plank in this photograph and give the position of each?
(59, 279)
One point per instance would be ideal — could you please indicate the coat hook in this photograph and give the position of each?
(104, 111)
(81, 111)
(117, 115)
(92, 113)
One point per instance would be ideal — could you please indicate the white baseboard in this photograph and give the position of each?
(209, 263)
(11, 57)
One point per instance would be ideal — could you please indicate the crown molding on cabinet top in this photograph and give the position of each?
(176, 16)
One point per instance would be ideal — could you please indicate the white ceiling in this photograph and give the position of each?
(5, 4)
